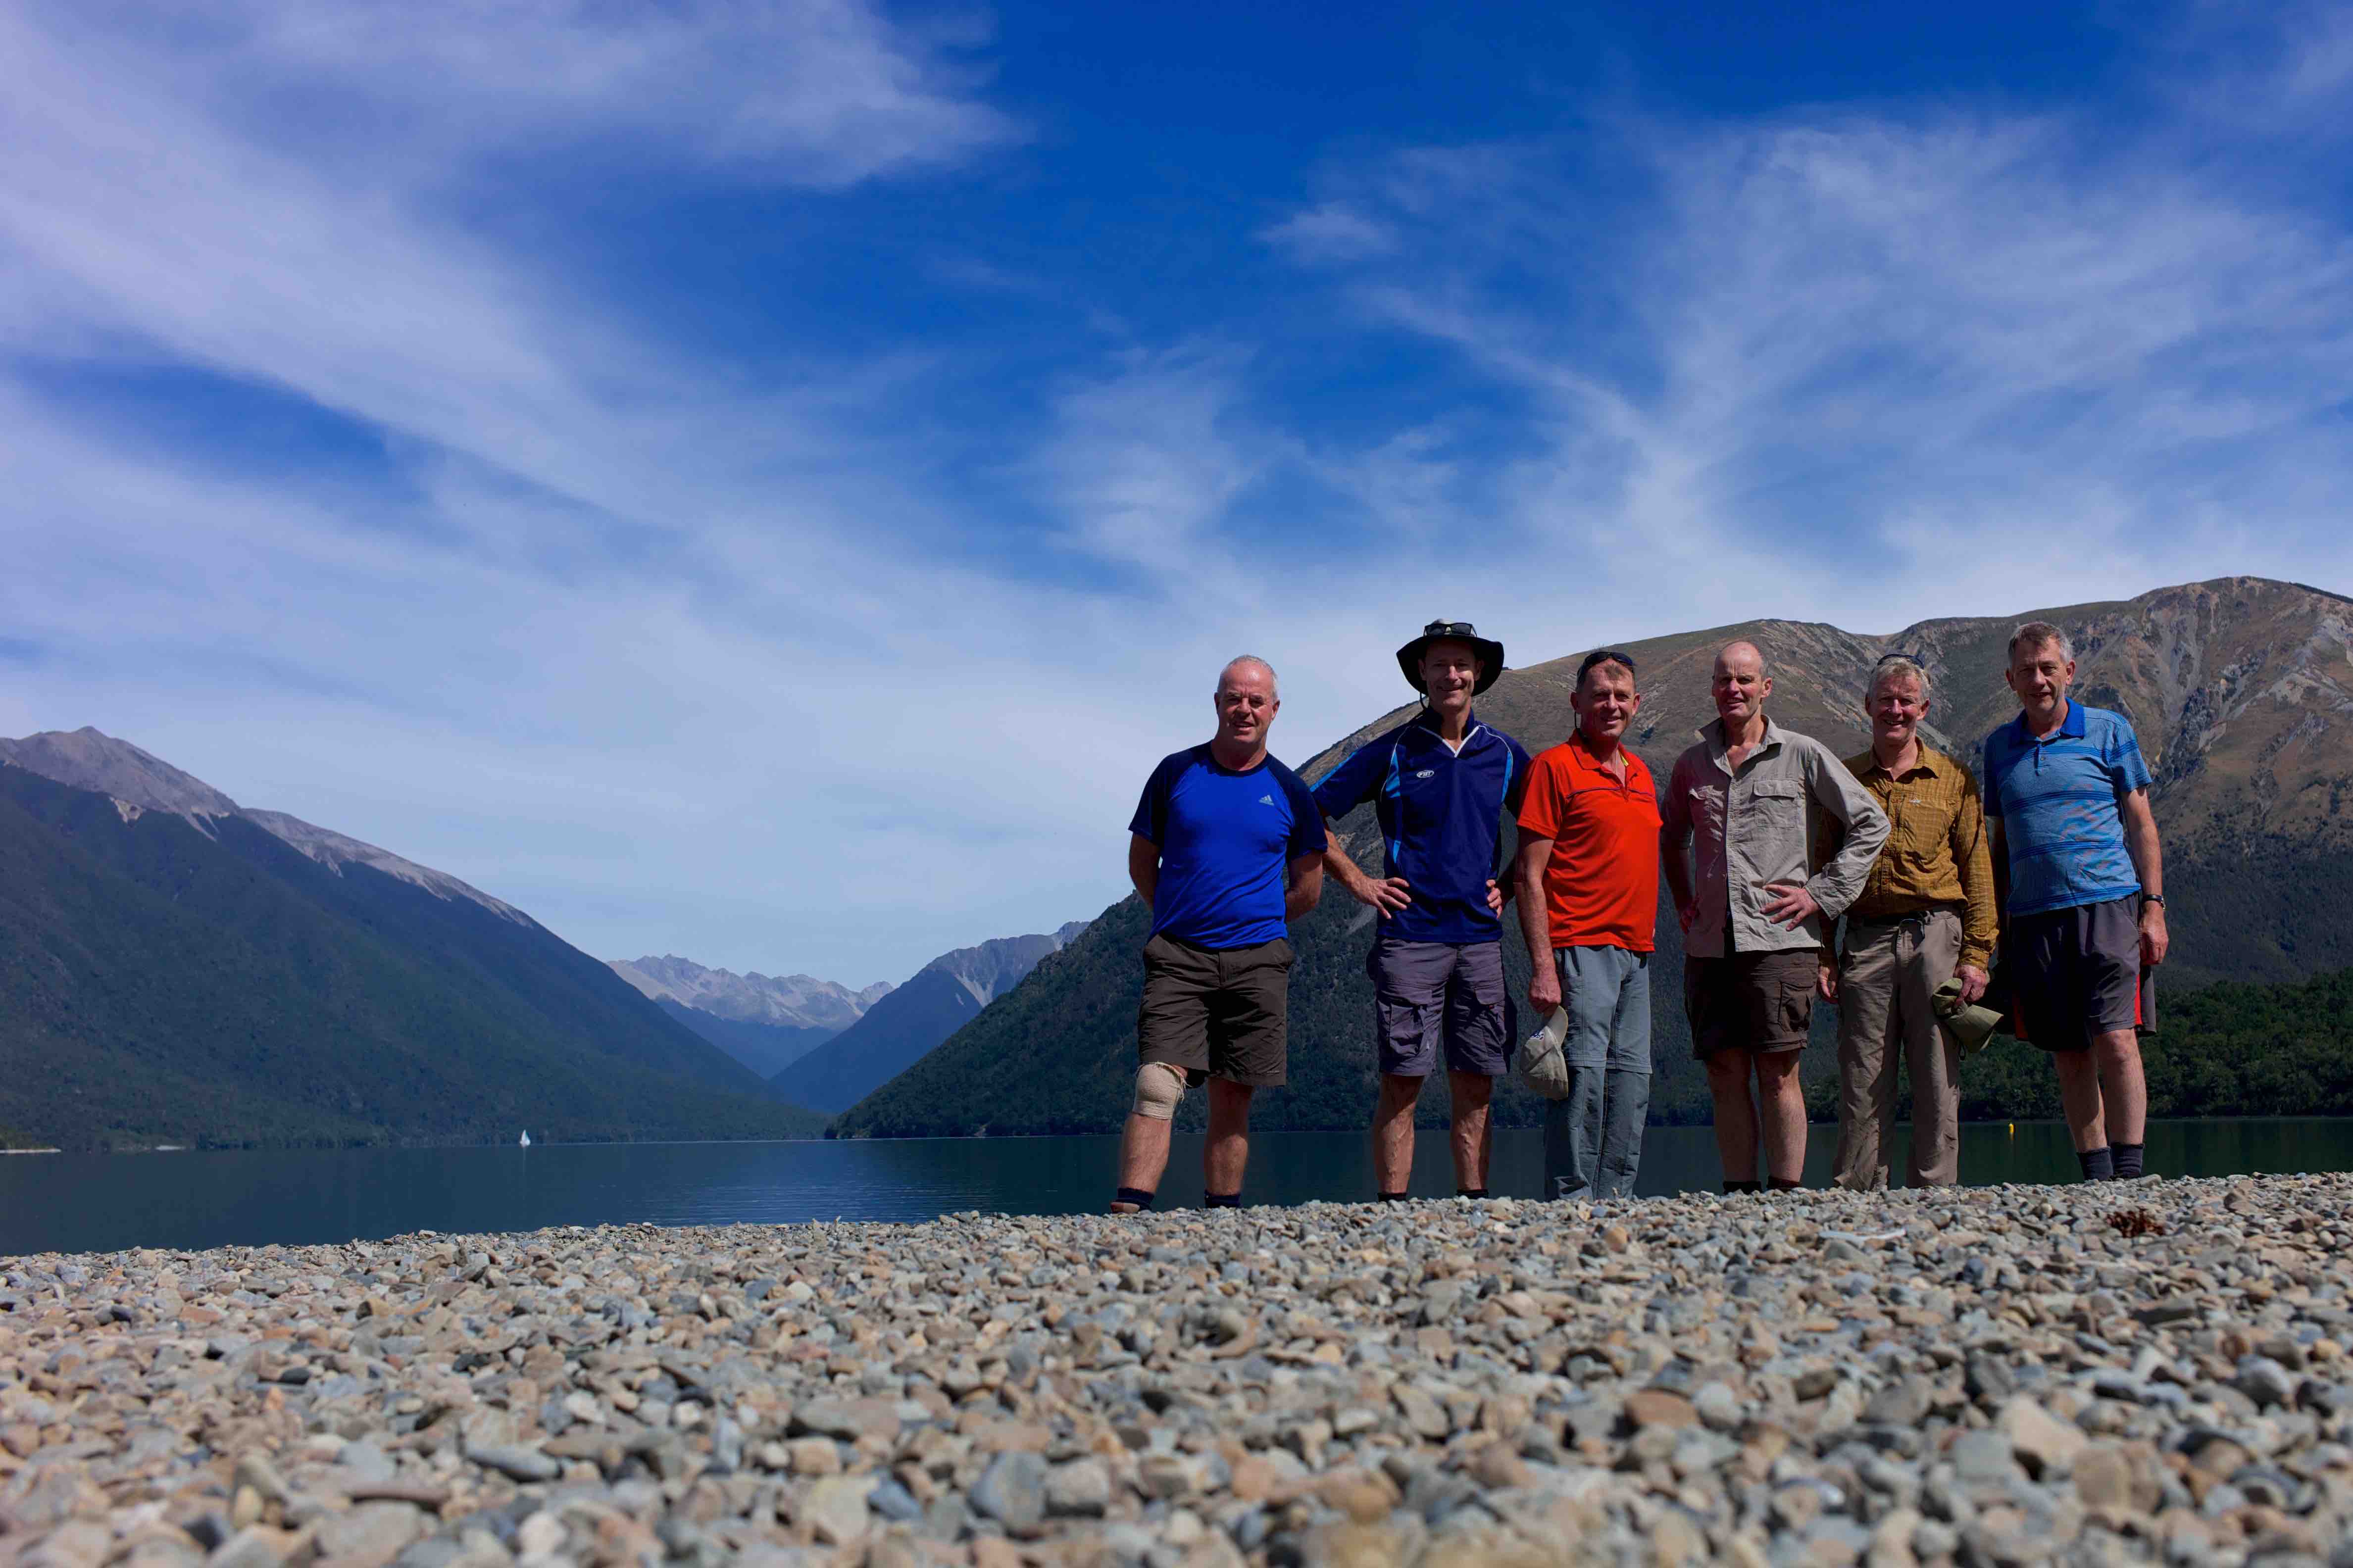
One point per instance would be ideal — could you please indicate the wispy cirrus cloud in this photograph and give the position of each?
(796, 92)
(1878, 361)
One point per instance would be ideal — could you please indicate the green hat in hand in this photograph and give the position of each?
(1969, 1028)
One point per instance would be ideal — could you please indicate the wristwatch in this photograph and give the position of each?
(2152, 897)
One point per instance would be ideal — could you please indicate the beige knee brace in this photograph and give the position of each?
(1158, 1088)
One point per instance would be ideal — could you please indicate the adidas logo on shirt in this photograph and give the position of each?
(1266, 800)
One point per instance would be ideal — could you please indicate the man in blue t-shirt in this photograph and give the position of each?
(1443, 785)
(1227, 849)
(2081, 881)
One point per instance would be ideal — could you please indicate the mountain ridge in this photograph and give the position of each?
(801, 1000)
(91, 760)
(899, 1030)
(171, 971)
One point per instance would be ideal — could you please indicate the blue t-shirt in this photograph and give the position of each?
(2059, 801)
(1226, 840)
(1440, 812)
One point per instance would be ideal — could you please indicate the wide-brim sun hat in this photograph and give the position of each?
(1490, 652)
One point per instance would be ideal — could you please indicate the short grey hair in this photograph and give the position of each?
(1903, 669)
(2040, 634)
(1763, 668)
(1273, 686)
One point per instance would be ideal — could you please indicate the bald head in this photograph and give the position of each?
(1741, 655)
(1246, 704)
(1740, 686)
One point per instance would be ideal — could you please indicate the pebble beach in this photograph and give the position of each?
(2154, 1371)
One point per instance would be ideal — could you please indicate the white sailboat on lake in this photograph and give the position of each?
(525, 1141)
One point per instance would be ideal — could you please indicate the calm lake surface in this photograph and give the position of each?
(99, 1203)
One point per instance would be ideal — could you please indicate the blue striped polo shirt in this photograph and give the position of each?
(2059, 801)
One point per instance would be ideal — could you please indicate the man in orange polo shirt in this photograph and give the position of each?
(1588, 890)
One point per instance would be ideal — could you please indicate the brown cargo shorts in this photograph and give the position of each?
(1216, 1012)
(1757, 1001)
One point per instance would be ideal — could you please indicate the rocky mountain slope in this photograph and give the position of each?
(176, 969)
(899, 1030)
(766, 1022)
(2241, 690)
(90, 760)
(800, 1000)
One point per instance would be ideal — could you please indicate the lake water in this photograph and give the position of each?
(98, 1203)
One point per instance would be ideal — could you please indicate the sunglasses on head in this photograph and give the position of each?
(1606, 656)
(1919, 659)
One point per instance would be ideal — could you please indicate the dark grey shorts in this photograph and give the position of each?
(1216, 1012)
(1426, 992)
(2075, 973)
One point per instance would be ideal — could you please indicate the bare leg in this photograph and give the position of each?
(2123, 1092)
(2079, 1096)
(1142, 1157)
(1736, 1114)
(1472, 1137)
(1783, 1106)
(1393, 1132)
(1226, 1156)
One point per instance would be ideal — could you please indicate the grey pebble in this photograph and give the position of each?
(1012, 1492)
(1829, 1377)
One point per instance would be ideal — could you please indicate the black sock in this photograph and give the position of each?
(1135, 1195)
(1221, 1200)
(1740, 1187)
(1781, 1186)
(1470, 1192)
(2099, 1164)
(2128, 1159)
(1394, 1197)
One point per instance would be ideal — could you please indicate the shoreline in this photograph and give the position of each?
(2152, 1371)
(1356, 1131)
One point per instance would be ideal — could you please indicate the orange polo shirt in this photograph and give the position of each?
(1601, 887)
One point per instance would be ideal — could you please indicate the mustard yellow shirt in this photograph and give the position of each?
(1936, 854)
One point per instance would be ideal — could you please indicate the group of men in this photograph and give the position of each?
(1885, 883)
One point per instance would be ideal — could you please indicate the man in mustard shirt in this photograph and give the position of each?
(1925, 916)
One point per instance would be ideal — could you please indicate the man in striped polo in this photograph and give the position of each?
(2082, 882)
(1443, 785)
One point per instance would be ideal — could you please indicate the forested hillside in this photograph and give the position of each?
(201, 981)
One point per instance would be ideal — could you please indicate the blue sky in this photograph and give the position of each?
(764, 482)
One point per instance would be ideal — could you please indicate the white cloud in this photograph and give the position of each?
(1331, 232)
(812, 92)
(1145, 464)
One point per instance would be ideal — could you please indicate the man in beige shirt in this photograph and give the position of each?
(1925, 916)
(1736, 845)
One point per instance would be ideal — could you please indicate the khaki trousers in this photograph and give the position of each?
(1887, 973)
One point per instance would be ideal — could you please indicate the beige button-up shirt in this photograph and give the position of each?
(1758, 826)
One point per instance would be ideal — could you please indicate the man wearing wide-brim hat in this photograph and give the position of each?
(1443, 785)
